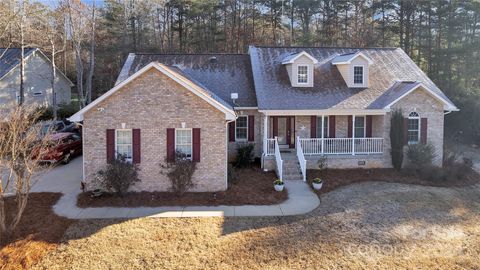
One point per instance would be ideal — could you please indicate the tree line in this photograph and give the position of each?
(91, 39)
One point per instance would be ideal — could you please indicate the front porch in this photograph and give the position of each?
(349, 141)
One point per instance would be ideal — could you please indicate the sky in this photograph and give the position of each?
(54, 3)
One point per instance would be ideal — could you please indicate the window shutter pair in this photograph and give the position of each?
(368, 126)
(136, 144)
(251, 129)
(195, 144)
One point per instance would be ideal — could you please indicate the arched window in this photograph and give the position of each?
(413, 128)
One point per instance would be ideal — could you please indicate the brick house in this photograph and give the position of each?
(294, 104)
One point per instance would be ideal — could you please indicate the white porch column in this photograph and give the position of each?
(353, 135)
(265, 134)
(323, 128)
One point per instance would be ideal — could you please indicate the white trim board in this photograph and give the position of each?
(448, 106)
(290, 61)
(189, 85)
(324, 112)
(350, 59)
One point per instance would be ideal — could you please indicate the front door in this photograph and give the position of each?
(283, 128)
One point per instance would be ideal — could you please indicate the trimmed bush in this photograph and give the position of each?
(180, 173)
(244, 155)
(118, 176)
(396, 139)
(420, 155)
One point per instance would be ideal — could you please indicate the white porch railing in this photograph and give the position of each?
(278, 159)
(341, 146)
(301, 160)
(270, 147)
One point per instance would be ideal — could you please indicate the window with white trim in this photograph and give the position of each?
(183, 141)
(360, 126)
(123, 143)
(319, 127)
(413, 128)
(241, 128)
(302, 74)
(358, 74)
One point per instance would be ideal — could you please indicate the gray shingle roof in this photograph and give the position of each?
(221, 74)
(274, 91)
(10, 58)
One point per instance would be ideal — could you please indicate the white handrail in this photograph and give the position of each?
(278, 159)
(270, 147)
(301, 160)
(340, 146)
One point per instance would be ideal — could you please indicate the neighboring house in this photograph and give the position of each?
(37, 79)
(295, 104)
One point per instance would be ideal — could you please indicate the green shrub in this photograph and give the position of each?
(396, 139)
(420, 155)
(244, 154)
(118, 176)
(180, 173)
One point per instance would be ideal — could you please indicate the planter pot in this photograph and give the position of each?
(278, 187)
(317, 186)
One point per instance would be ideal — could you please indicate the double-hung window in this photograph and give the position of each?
(359, 126)
(413, 130)
(358, 75)
(241, 128)
(302, 74)
(319, 127)
(123, 143)
(183, 142)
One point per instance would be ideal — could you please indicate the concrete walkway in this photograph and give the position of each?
(66, 179)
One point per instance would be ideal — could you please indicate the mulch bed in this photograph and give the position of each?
(39, 231)
(253, 187)
(335, 178)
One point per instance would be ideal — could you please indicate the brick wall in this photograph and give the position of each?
(153, 102)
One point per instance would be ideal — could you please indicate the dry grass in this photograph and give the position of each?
(253, 187)
(39, 232)
(367, 225)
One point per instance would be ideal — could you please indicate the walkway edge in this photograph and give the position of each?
(301, 200)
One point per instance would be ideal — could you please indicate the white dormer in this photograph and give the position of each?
(300, 68)
(354, 68)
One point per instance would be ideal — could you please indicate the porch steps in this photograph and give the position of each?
(291, 167)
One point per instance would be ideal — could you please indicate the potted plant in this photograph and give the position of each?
(317, 182)
(278, 185)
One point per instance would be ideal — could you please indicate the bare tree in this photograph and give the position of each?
(21, 149)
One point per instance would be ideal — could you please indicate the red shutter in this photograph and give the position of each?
(369, 123)
(405, 131)
(313, 126)
(110, 145)
(170, 144)
(331, 126)
(196, 145)
(231, 131)
(423, 130)
(251, 128)
(349, 126)
(275, 126)
(136, 145)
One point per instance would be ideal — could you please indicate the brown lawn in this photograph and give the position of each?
(253, 187)
(373, 225)
(39, 232)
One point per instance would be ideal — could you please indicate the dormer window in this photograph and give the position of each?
(358, 74)
(302, 74)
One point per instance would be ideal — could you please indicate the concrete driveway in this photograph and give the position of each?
(61, 178)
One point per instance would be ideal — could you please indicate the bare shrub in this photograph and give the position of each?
(118, 176)
(420, 155)
(180, 173)
(21, 149)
